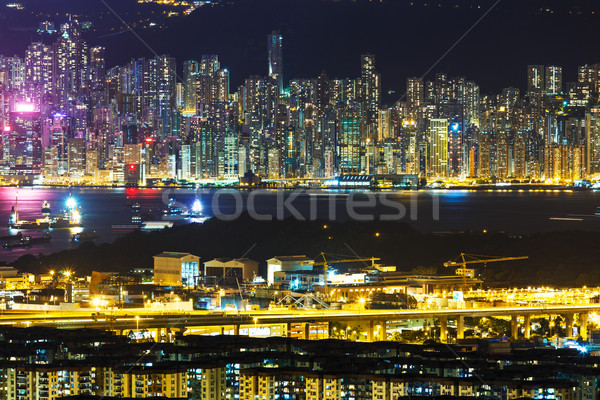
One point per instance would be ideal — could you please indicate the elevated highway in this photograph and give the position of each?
(123, 320)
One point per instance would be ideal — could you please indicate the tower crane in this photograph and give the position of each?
(326, 264)
(464, 259)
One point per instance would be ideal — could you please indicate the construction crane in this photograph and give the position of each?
(326, 264)
(465, 259)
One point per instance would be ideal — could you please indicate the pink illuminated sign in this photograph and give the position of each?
(25, 107)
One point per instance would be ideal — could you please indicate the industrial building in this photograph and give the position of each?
(176, 269)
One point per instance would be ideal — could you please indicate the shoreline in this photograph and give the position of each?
(478, 187)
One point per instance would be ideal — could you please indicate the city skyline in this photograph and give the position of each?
(69, 118)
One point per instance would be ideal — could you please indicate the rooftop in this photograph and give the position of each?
(172, 254)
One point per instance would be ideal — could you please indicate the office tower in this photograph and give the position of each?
(592, 127)
(222, 85)
(96, 78)
(275, 55)
(502, 156)
(324, 92)
(472, 104)
(554, 84)
(486, 146)
(385, 125)
(76, 157)
(24, 133)
(370, 86)
(414, 93)
(230, 155)
(438, 133)
(185, 157)
(205, 151)
(12, 73)
(39, 66)
(70, 60)
(91, 162)
(242, 159)
(520, 155)
(536, 78)
(349, 141)
(132, 154)
(273, 163)
(443, 88)
(207, 79)
(166, 93)
(190, 79)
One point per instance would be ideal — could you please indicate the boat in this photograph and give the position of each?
(18, 236)
(86, 236)
(15, 223)
(136, 207)
(196, 209)
(46, 209)
(156, 225)
(69, 219)
(172, 208)
(27, 241)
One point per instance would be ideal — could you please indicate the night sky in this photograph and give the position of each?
(330, 35)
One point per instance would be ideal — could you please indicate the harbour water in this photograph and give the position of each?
(108, 211)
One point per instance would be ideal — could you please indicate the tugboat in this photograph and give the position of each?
(172, 208)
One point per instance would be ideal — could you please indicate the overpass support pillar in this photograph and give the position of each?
(569, 324)
(514, 327)
(288, 329)
(236, 329)
(583, 322)
(221, 330)
(370, 335)
(460, 327)
(306, 333)
(383, 331)
(158, 334)
(444, 329)
(527, 326)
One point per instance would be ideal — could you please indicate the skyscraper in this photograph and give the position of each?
(39, 63)
(370, 87)
(190, 79)
(70, 60)
(414, 93)
(275, 53)
(349, 142)
(535, 78)
(592, 128)
(438, 133)
(554, 83)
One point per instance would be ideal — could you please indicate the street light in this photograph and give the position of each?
(137, 323)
